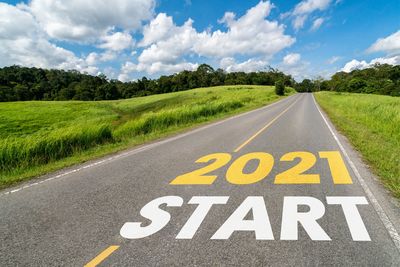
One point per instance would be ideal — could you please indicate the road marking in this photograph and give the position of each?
(265, 127)
(293, 175)
(379, 210)
(141, 149)
(102, 256)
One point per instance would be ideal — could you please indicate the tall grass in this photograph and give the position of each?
(179, 116)
(36, 135)
(34, 150)
(372, 124)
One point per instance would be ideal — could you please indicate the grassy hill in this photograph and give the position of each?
(372, 124)
(39, 136)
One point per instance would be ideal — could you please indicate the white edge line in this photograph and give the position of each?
(142, 148)
(378, 208)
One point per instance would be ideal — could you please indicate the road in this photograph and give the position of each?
(335, 213)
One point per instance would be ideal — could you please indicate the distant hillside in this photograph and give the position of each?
(21, 83)
(379, 79)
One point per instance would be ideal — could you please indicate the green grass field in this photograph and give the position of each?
(39, 137)
(372, 124)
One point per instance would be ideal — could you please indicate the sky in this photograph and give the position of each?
(129, 39)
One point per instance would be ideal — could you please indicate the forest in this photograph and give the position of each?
(21, 83)
(379, 79)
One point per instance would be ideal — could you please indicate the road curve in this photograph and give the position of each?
(335, 213)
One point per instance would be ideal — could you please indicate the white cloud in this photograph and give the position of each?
(251, 34)
(28, 33)
(228, 18)
(317, 24)
(166, 44)
(355, 64)
(92, 58)
(293, 65)
(303, 9)
(117, 41)
(299, 21)
(130, 68)
(291, 59)
(25, 44)
(158, 29)
(87, 20)
(230, 65)
(395, 60)
(309, 6)
(168, 48)
(108, 56)
(390, 44)
(126, 70)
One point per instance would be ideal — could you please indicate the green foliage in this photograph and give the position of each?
(21, 84)
(179, 116)
(305, 86)
(372, 124)
(379, 79)
(279, 87)
(40, 134)
(34, 150)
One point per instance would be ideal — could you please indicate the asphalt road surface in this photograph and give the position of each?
(276, 186)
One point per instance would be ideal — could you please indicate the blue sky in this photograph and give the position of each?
(128, 39)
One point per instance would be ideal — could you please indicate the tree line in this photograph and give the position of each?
(22, 83)
(379, 79)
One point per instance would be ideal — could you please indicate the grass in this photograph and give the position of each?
(37, 137)
(372, 124)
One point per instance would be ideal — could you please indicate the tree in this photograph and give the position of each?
(279, 87)
(22, 92)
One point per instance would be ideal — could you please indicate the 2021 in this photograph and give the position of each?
(294, 175)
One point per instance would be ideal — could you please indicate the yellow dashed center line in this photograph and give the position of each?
(265, 127)
(102, 256)
(107, 252)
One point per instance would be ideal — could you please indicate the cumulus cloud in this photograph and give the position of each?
(230, 65)
(295, 66)
(291, 59)
(390, 44)
(251, 34)
(158, 29)
(92, 58)
(165, 43)
(355, 64)
(157, 67)
(29, 32)
(168, 48)
(117, 41)
(303, 9)
(24, 43)
(86, 20)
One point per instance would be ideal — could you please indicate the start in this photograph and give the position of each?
(260, 224)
